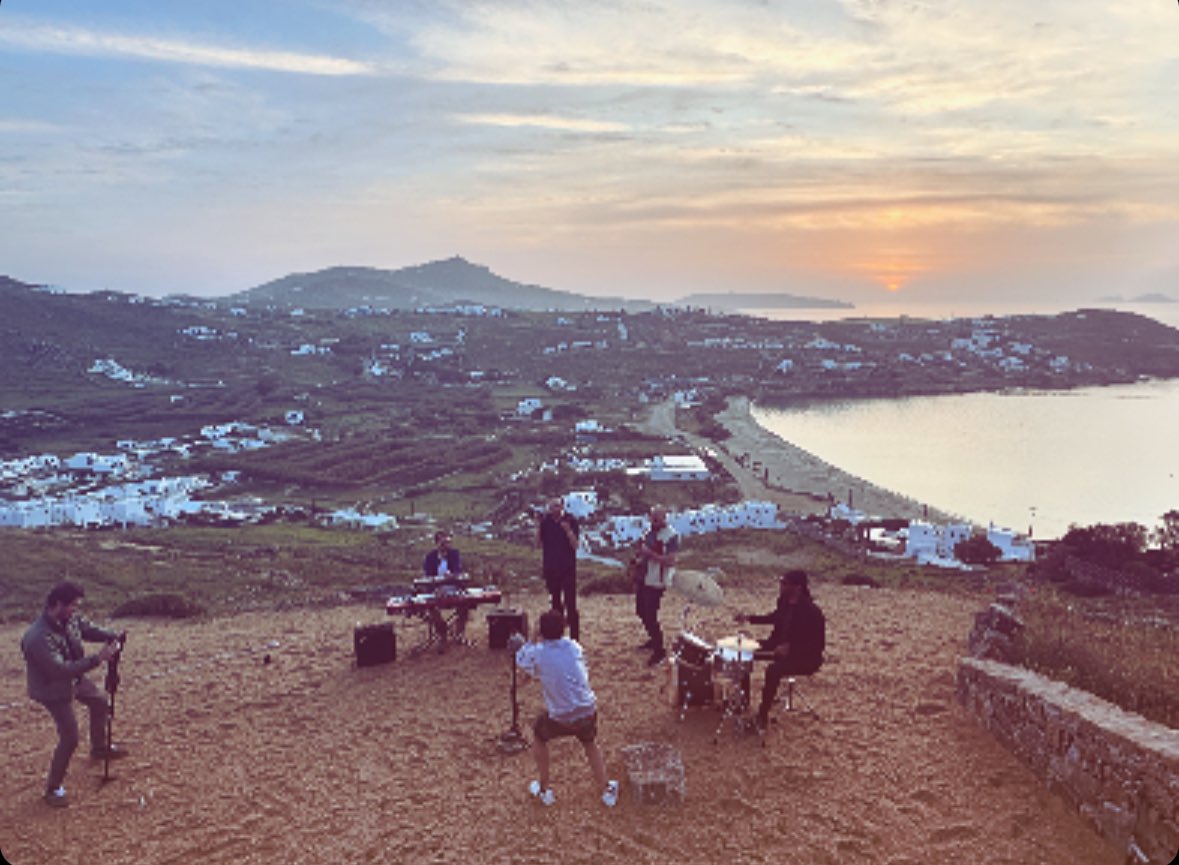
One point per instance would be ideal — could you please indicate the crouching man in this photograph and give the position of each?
(571, 709)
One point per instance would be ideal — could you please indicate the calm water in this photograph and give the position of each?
(1041, 459)
(1167, 313)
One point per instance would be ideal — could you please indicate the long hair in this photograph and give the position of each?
(798, 577)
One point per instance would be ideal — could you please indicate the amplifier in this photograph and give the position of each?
(374, 644)
(502, 623)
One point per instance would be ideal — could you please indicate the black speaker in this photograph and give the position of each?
(374, 644)
(502, 623)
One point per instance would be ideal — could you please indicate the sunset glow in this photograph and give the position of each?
(652, 149)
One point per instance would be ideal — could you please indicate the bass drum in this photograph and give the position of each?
(689, 685)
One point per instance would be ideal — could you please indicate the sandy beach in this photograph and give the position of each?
(308, 759)
(768, 468)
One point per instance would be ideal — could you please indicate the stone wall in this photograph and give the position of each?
(1118, 769)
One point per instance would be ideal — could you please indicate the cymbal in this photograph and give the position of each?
(699, 587)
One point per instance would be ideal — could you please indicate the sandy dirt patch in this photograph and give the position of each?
(308, 759)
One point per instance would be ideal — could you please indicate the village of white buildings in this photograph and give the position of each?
(128, 487)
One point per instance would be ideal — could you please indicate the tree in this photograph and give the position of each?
(1166, 536)
(977, 550)
(1112, 546)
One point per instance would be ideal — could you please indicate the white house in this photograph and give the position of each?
(625, 530)
(930, 543)
(527, 406)
(1012, 547)
(678, 468)
(352, 517)
(581, 503)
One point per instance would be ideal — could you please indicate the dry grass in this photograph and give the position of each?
(1123, 650)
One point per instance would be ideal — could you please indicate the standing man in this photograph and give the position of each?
(658, 549)
(56, 663)
(571, 709)
(797, 641)
(558, 534)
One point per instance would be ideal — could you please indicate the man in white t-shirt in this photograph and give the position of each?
(571, 709)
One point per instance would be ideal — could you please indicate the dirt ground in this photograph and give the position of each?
(308, 759)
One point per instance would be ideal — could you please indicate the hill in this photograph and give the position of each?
(437, 283)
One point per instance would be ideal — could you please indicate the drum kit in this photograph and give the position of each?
(704, 673)
(713, 674)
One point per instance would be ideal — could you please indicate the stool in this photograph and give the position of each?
(792, 695)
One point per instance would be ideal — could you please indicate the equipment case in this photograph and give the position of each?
(502, 623)
(374, 644)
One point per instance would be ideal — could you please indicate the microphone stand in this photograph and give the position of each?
(112, 687)
(513, 741)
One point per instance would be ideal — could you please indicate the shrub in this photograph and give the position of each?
(977, 550)
(1104, 647)
(164, 605)
(610, 584)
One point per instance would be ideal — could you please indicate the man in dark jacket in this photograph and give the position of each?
(796, 643)
(443, 560)
(558, 535)
(56, 663)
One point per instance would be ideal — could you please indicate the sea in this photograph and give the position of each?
(1028, 460)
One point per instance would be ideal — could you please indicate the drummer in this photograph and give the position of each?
(796, 643)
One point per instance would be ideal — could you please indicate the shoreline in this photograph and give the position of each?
(793, 476)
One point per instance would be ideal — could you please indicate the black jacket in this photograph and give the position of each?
(802, 625)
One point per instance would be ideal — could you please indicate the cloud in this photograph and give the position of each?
(546, 121)
(70, 40)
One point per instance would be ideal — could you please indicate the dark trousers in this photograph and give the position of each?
(563, 591)
(779, 669)
(647, 601)
(67, 728)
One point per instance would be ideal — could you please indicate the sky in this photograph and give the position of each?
(858, 150)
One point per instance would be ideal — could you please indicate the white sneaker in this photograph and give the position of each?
(546, 797)
(610, 797)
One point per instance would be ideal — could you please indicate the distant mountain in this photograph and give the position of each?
(755, 300)
(1154, 297)
(437, 283)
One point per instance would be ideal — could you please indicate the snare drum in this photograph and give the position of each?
(690, 649)
(734, 655)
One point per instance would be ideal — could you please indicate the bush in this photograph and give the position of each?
(1103, 647)
(977, 550)
(611, 584)
(164, 605)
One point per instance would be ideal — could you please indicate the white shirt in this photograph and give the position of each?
(564, 679)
